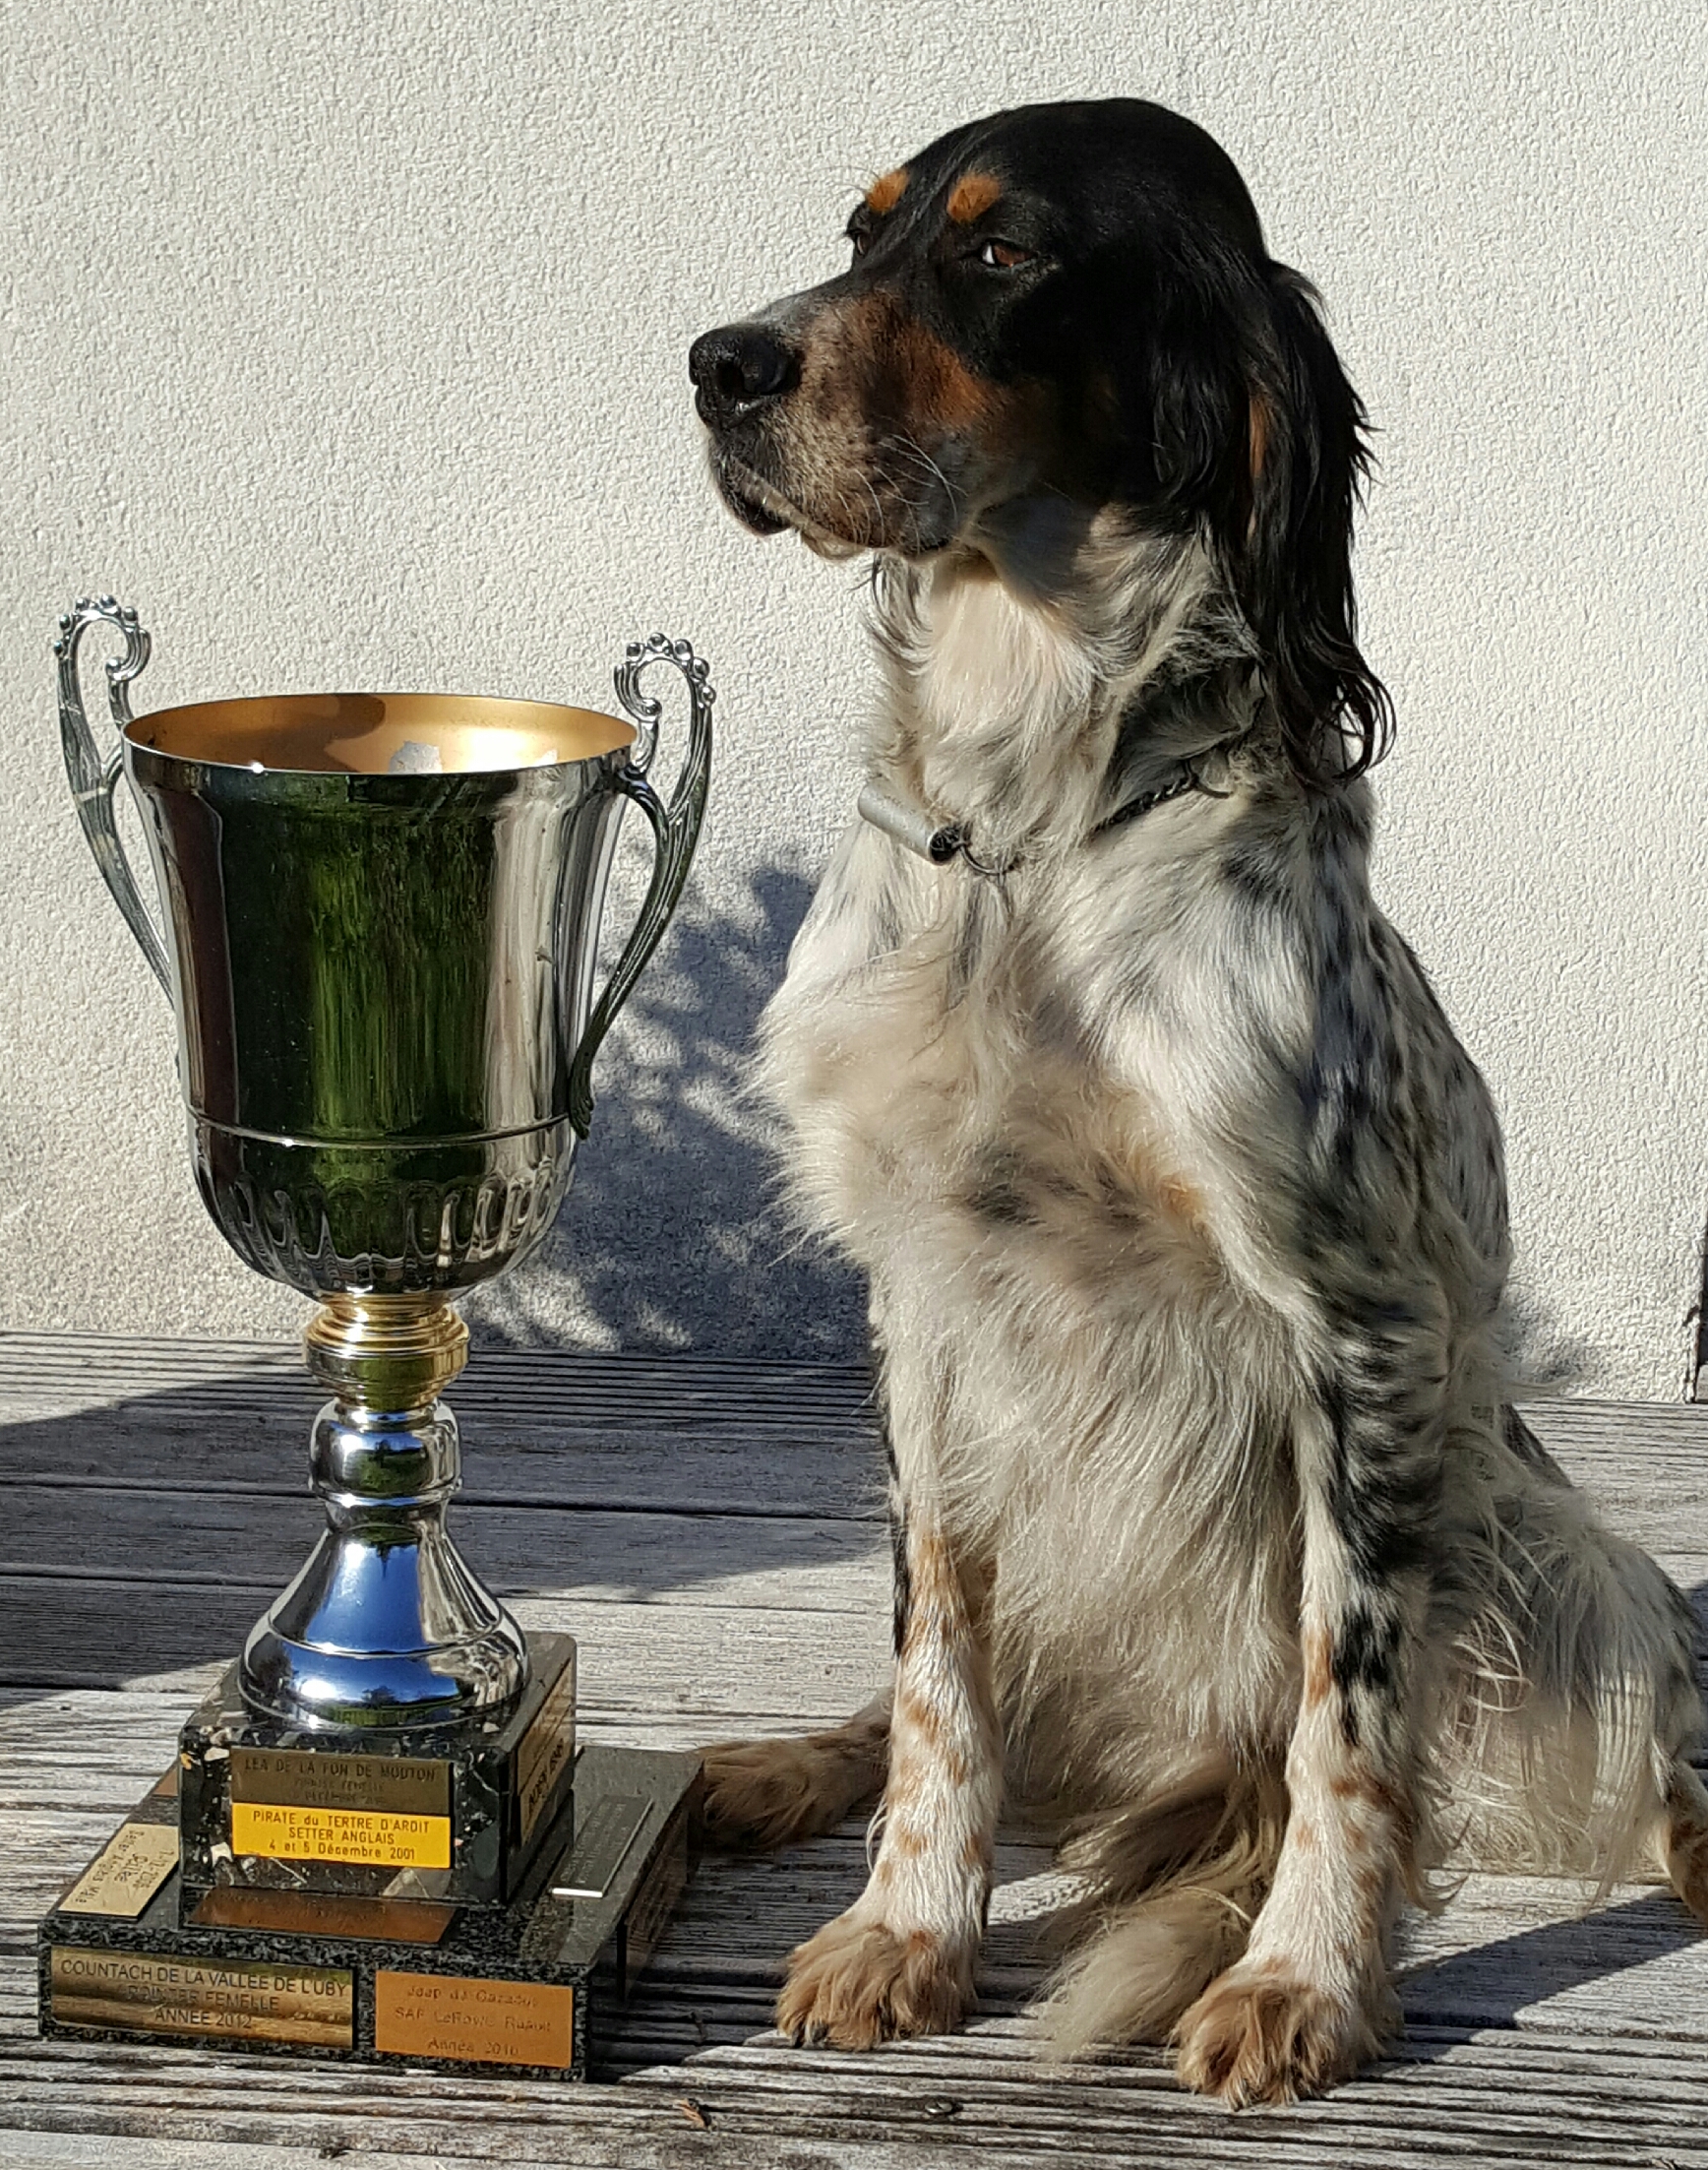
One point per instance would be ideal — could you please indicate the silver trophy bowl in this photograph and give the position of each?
(381, 917)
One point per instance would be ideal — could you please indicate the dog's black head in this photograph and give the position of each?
(1067, 307)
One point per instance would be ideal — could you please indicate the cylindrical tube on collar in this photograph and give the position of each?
(910, 825)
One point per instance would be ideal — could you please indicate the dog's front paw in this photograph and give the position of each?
(1261, 2033)
(858, 1983)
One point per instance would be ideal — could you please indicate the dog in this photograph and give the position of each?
(1182, 1208)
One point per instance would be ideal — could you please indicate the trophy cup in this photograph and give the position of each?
(381, 915)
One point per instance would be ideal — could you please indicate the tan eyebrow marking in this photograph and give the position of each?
(972, 196)
(884, 195)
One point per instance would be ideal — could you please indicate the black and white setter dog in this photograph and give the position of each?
(1182, 1207)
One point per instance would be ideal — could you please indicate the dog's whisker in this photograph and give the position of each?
(907, 445)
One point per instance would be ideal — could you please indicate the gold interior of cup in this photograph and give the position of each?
(376, 734)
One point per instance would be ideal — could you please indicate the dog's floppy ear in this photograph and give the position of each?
(1306, 435)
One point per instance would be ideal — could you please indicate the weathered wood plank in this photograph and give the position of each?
(82, 1370)
(80, 2150)
(727, 1559)
(87, 1750)
(830, 1470)
(1644, 1468)
(733, 1663)
(74, 1747)
(929, 2105)
(85, 1371)
(826, 1468)
(1508, 1952)
(725, 1663)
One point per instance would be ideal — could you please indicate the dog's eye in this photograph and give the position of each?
(862, 242)
(1003, 256)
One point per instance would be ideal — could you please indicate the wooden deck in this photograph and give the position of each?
(711, 1533)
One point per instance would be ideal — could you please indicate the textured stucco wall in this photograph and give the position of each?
(348, 342)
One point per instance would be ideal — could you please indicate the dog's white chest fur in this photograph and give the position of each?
(1027, 1196)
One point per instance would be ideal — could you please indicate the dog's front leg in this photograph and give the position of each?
(901, 1961)
(1312, 1998)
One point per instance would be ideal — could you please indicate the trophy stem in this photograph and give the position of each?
(385, 1627)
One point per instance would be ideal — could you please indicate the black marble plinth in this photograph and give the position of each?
(453, 1815)
(132, 1952)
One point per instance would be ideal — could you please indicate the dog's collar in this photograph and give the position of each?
(940, 841)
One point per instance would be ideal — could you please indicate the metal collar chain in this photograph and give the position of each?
(939, 842)
(1189, 780)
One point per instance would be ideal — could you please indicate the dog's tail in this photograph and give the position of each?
(1173, 1883)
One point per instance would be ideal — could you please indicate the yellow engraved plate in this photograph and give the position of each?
(127, 1872)
(282, 1833)
(546, 1747)
(307, 1778)
(155, 1992)
(487, 2022)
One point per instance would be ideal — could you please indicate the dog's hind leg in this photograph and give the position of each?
(1686, 1839)
(1172, 1886)
(760, 1795)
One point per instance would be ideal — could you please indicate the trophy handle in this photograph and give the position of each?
(92, 781)
(675, 829)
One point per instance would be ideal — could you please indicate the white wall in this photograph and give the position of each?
(349, 343)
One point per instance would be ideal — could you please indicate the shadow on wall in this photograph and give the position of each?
(672, 1236)
(1544, 1355)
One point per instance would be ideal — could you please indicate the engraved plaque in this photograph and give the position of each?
(127, 1872)
(383, 1841)
(319, 1914)
(156, 1993)
(545, 1748)
(601, 1847)
(489, 2023)
(312, 1778)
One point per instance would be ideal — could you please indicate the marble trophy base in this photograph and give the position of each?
(533, 1986)
(444, 1816)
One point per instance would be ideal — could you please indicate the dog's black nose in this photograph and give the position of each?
(737, 369)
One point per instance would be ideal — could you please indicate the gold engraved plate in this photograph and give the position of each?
(390, 1842)
(127, 1872)
(311, 1779)
(318, 1915)
(158, 1993)
(487, 2022)
(665, 1882)
(546, 1747)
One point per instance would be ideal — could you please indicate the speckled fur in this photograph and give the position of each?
(1185, 1220)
